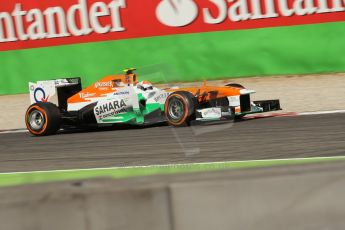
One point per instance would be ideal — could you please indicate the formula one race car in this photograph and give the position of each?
(115, 99)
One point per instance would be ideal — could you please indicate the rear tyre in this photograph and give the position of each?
(180, 108)
(43, 118)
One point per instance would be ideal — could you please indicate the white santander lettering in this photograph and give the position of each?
(6, 22)
(99, 9)
(79, 19)
(177, 13)
(222, 8)
(81, 11)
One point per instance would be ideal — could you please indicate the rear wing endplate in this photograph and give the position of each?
(51, 90)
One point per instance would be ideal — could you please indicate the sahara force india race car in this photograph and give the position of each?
(121, 99)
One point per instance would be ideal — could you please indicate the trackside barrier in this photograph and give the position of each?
(294, 197)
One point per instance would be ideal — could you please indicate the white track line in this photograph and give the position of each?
(179, 165)
(266, 115)
(321, 112)
(287, 114)
(14, 131)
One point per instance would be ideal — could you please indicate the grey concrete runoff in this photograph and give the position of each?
(266, 138)
(302, 197)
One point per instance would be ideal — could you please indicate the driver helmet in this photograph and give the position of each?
(145, 85)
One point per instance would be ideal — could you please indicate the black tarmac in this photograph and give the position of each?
(253, 139)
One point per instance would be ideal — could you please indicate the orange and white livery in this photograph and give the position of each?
(122, 98)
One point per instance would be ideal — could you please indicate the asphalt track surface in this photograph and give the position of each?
(265, 138)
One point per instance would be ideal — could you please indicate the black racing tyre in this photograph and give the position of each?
(180, 108)
(43, 118)
(235, 85)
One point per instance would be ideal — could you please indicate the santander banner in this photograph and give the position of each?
(37, 23)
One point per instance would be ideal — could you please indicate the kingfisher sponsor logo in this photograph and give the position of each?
(86, 95)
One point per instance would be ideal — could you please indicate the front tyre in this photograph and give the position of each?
(180, 108)
(43, 118)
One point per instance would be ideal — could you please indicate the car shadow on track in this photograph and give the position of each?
(67, 130)
(88, 129)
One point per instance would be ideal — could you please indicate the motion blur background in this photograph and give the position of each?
(191, 49)
(270, 173)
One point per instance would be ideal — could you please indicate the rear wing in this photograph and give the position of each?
(54, 91)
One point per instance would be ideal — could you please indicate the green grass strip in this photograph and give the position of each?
(304, 49)
(20, 178)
